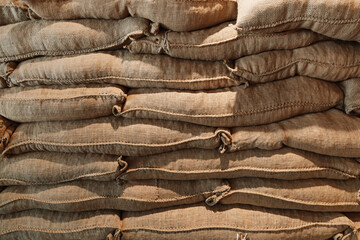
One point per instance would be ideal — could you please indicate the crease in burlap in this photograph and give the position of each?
(59, 103)
(335, 19)
(5, 70)
(351, 90)
(12, 11)
(7, 128)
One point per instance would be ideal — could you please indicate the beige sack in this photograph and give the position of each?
(55, 38)
(231, 107)
(5, 70)
(42, 224)
(351, 90)
(7, 128)
(328, 60)
(126, 69)
(58, 103)
(220, 42)
(336, 19)
(12, 11)
(172, 14)
(52, 168)
(322, 195)
(109, 135)
(128, 196)
(285, 163)
(231, 222)
(330, 133)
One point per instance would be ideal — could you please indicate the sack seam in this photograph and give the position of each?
(89, 227)
(100, 95)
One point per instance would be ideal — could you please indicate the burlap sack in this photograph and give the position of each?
(322, 195)
(285, 163)
(126, 69)
(355, 217)
(172, 14)
(231, 107)
(54, 168)
(42, 224)
(336, 19)
(37, 38)
(5, 70)
(58, 103)
(12, 11)
(330, 133)
(7, 128)
(351, 90)
(220, 42)
(328, 60)
(232, 222)
(91, 195)
(129, 137)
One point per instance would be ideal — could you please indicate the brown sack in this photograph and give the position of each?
(231, 107)
(172, 14)
(321, 195)
(355, 217)
(42, 224)
(285, 163)
(126, 69)
(55, 38)
(330, 133)
(220, 42)
(351, 90)
(129, 196)
(232, 222)
(129, 137)
(336, 19)
(7, 128)
(5, 70)
(59, 103)
(328, 60)
(52, 168)
(12, 11)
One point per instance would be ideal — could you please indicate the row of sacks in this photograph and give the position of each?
(338, 19)
(194, 221)
(331, 133)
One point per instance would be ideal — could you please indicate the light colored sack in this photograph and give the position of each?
(285, 163)
(12, 11)
(5, 70)
(53, 168)
(321, 195)
(336, 19)
(42, 224)
(7, 128)
(129, 196)
(220, 42)
(327, 60)
(109, 135)
(231, 107)
(59, 103)
(351, 90)
(330, 133)
(232, 222)
(172, 14)
(55, 38)
(126, 69)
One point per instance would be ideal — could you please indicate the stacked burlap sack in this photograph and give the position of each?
(176, 119)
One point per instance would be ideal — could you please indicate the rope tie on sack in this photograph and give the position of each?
(241, 237)
(164, 44)
(234, 72)
(219, 193)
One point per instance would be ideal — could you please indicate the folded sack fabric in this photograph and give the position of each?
(7, 128)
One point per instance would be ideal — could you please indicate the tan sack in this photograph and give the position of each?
(351, 90)
(5, 70)
(12, 11)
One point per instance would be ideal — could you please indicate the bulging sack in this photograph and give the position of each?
(336, 19)
(55, 38)
(351, 90)
(285, 163)
(327, 60)
(129, 196)
(123, 68)
(231, 107)
(220, 42)
(321, 195)
(12, 11)
(171, 14)
(52, 168)
(59, 103)
(108, 135)
(43, 224)
(7, 128)
(330, 133)
(232, 222)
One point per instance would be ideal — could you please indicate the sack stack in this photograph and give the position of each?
(176, 119)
